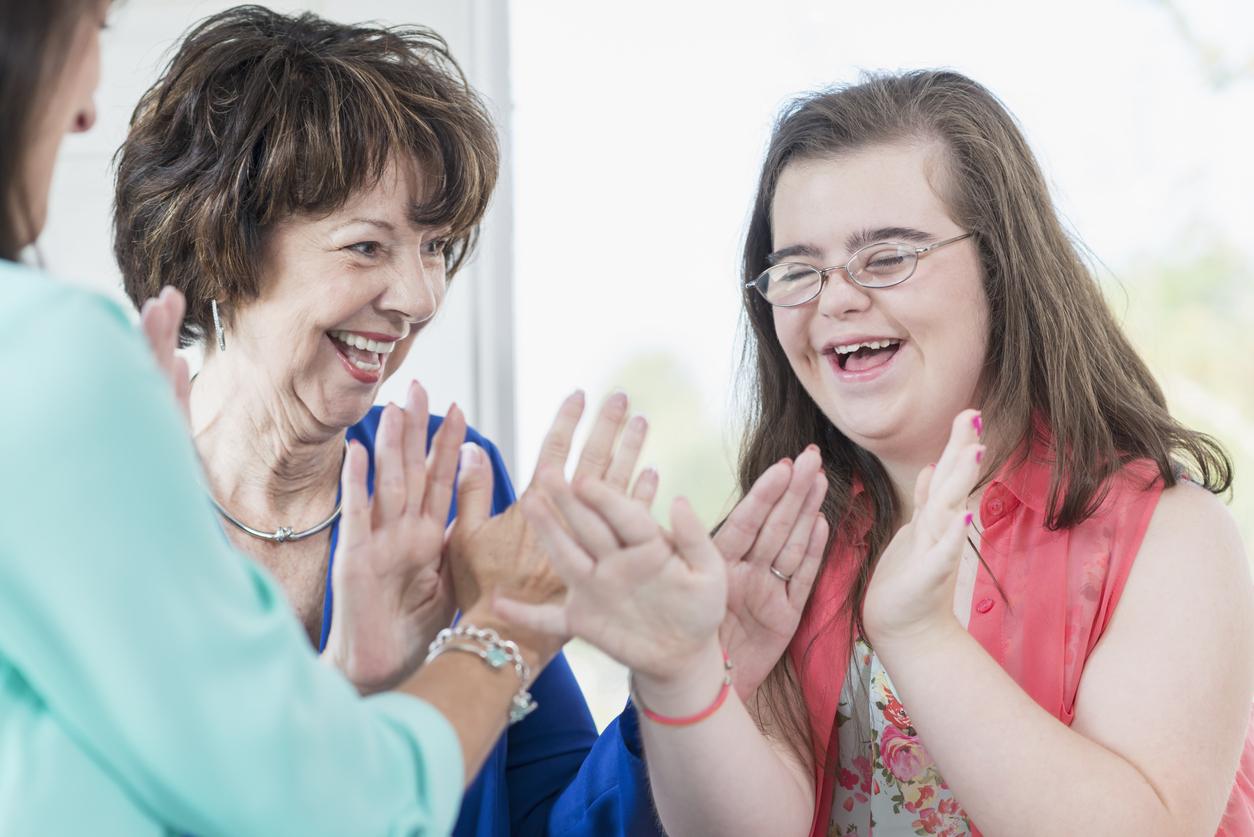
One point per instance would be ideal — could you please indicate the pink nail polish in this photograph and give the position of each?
(978, 422)
(967, 520)
(979, 457)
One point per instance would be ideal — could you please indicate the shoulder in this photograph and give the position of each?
(1193, 534)
(66, 350)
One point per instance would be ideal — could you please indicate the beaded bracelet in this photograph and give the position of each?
(689, 719)
(487, 645)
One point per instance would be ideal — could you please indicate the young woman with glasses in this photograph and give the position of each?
(1034, 614)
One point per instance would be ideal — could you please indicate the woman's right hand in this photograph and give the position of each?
(487, 553)
(650, 599)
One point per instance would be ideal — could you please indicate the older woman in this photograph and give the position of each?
(311, 188)
(152, 680)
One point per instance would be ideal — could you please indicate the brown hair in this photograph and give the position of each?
(1058, 369)
(260, 116)
(33, 38)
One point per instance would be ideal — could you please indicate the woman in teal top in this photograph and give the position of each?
(151, 679)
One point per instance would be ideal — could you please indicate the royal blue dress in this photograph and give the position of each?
(550, 774)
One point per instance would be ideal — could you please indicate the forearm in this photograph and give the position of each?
(471, 695)
(1015, 768)
(720, 776)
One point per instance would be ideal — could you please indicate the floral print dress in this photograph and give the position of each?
(888, 785)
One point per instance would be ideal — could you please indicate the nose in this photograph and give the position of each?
(84, 119)
(842, 296)
(415, 290)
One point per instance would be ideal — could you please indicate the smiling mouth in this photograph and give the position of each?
(359, 353)
(864, 356)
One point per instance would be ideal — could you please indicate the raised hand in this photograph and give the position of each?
(912, 589)
(502, 552)
(160, 318)
(776, 526)
(650, 600)
(392, 592)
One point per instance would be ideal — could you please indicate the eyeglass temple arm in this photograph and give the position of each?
(921, 250)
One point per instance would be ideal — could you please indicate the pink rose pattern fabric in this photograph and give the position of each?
(888, 785)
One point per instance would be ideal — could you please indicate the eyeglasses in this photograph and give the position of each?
(878, 265)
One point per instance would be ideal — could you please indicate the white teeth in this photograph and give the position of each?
(872, 344)
(365, 367)
(359, 342)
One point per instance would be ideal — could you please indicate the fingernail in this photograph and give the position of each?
(978, 422)
(577, 394)
(468, 456)
(933, 465)
(967, 520)
(618, 398)
(979, 456)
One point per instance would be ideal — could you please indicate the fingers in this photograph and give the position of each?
(556, 445)
(627, 454)
(474, 487)
(735, 537)
(567, 557)
(442, 466)
(549, 619)
(922, 484)
(354, 500)
(630, 521)
(964, 431)
(956, 475)
(182, 386)
(943, 555)
(782, 519)
(803, 578)
(590, 530)
(645, 488)
(414, 446)
(598, 450)
(692, 541)
(794, 550)
(389, 466)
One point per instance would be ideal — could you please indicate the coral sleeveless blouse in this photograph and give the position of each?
(1063, 585)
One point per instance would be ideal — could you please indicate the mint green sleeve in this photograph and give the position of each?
(172, 660)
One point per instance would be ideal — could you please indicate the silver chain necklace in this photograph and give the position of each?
(284, 534)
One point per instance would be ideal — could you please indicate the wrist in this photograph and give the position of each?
(689, 688)
(918, 639)
(536, 649)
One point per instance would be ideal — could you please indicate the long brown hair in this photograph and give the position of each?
(260, 116)
(33, 39)
(1058, 366)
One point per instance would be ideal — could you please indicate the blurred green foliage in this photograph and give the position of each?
(1191, 315)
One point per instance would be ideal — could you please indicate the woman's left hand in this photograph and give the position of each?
(391, 587)
(775, 528)
(911, 593)
(161, 318)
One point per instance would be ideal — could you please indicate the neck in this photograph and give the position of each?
(268, 461)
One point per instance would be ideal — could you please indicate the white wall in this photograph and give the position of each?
(467, 354)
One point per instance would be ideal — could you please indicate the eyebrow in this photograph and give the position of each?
(854, 242)
(374, 222)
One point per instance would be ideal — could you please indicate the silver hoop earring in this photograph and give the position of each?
(217, 325)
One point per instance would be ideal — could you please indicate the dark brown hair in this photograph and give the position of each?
(33, 39)
(1058, 368)
(260, 116)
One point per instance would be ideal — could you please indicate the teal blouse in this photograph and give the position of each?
(152, 680)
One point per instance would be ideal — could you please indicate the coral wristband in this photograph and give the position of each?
(687, 720)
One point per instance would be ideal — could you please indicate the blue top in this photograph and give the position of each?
(549, 774)
(152, 679)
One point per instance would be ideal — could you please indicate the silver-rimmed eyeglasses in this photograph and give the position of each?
(879, 265)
